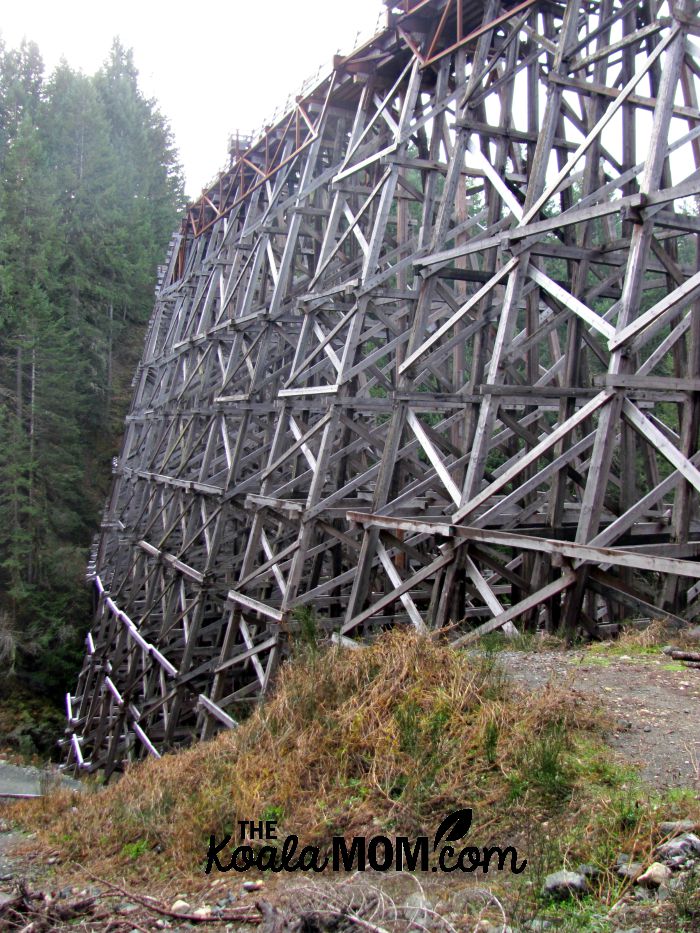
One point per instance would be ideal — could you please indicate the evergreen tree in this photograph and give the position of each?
(21, 75)
(29, 257)
(90, 191)
(150, 180)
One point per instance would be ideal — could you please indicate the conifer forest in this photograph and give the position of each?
(90, 193)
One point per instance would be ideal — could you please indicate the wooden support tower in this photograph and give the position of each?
(428, 354)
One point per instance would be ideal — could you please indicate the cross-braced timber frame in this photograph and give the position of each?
(428, 353)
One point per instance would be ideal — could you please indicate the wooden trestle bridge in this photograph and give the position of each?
(427, 353)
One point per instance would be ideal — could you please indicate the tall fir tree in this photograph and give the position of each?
(149, 174)
(90, 191)
(21, 79)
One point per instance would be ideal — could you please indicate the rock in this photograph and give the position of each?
(253, 885)
(682, 846)
(628, 871)
(655, 875)
(693, 634)
(562, 884)
(588, 871)
(202, 912)
(676, 827)
(677, 862)
(537, 925)
(180, 907)
(226, 900)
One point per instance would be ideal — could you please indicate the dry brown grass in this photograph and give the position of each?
(390, 738)
(658, 632)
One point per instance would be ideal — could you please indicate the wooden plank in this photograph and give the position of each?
(582, 553)
(572, 303)
(649, 430)
(622, 557)
(660, 383)
(396, 593)
(534, 454)
(482, 587)
(525, 605)
(434, 457)
(396, 581)
(594, 133)
(217, 712)
(458, 315)
(255, 605)
(652, 320)
(150, 747)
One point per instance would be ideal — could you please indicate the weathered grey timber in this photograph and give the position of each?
(428, 353)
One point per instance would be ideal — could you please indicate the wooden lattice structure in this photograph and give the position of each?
(428, 353)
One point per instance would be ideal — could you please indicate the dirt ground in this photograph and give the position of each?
(656, 709)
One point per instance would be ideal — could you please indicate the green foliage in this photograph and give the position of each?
(407, 717)
(626, 809)
(491, 741)
(90, 191)
(272, 813)
(548, 767)
(686, 896)
(307, 635)
(578, 915)
(134, 850)
(545, 768)
(29, 722)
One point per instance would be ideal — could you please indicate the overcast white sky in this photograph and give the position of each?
(214, 66)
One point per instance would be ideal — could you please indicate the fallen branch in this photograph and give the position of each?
(151, 903)
(45, 913)
(680, 654)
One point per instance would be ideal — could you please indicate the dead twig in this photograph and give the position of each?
(151, 903)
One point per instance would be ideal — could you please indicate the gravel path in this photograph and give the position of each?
(656, 710)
